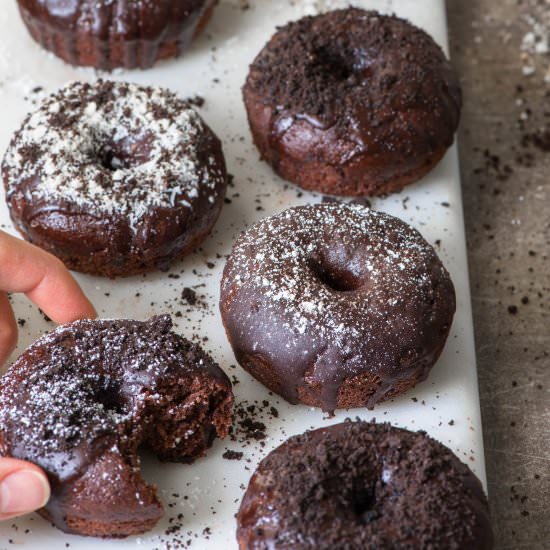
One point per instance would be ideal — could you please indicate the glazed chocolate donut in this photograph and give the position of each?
(352, 102)
(359, 486)
(114, 178)
(336, 306)
(106, 34)
(83, 399)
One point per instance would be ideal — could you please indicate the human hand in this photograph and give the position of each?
(46, 281)
(23, 488)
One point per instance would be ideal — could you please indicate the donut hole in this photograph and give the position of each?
(364, 503)
(108, 393)
(113, 155)
(335, 274)
(111, 161)
(341, 64)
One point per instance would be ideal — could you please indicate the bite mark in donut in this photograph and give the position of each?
(84, 399)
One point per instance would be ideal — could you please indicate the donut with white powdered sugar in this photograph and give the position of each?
(335, 305)
(114, 178)
(83, 399)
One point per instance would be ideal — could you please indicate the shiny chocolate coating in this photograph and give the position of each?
(352, 102)
(335, 305)
(359, 485)
(83, 399)
(113, 178)
(106, 34)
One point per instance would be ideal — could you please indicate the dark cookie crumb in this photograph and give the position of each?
(232, 455)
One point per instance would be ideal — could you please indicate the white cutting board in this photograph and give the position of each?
(446, 405)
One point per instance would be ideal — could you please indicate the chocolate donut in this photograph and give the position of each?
(352, 102)
(106, 34)
(336, 306)
(83, 399)
(359, 486)
(114, 178)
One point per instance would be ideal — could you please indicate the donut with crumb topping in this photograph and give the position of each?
(81, 402)
(335, 305)
(114, 178)
(363, 486)
(352, 102)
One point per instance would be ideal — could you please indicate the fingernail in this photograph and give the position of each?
(23, 492)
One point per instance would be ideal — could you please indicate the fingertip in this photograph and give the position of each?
(8, 342)
(75, 309)
(60, 296)
(88, 310)
(8, 329)
(85, 311)
(23, 490)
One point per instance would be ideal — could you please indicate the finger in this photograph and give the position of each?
(43, 278)
(8, 329)
(23, 488)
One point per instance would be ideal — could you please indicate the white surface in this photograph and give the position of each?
(213, 485)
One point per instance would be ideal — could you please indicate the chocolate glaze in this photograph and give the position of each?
(358, 486)
(352, 102)
(114, 178)
(115, 33)
(335, 305)
(83, 399)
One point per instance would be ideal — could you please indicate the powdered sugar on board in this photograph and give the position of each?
(201, 499)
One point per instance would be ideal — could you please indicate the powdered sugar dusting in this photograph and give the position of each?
(383, 256)
(335, 290)
(112, 148)
(91, 385)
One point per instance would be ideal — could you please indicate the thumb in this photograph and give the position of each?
(23, 488)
